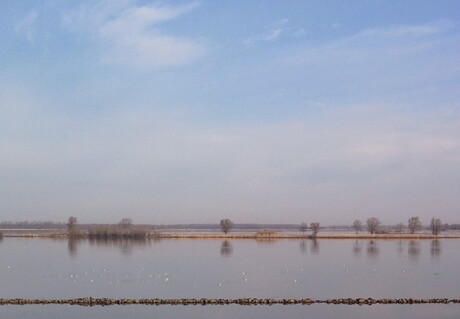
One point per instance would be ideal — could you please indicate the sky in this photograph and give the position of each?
(258, 111)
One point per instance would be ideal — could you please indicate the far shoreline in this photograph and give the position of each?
(253, 236)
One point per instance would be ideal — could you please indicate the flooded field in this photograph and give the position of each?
(317, 269)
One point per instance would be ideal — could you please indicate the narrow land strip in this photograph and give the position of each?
(90, 302)
(260, 237)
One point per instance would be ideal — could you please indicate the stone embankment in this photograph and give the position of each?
(90, 302)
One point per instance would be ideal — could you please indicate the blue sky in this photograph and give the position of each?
(258, 111)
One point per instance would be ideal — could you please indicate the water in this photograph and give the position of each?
(323, 269)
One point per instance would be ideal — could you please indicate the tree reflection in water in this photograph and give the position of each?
(125, 245)
(226, 249)
(414, 249)
(357, 248)
(315, 247)
(400, 248)
(435, 248)
(303, 246)
(72, 245)
(372, 249)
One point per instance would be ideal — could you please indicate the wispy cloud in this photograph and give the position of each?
(273, 35)
(409, 30)
(26, 26)
(382, 63)
(130, 35)
(372, 43)
(277, 30)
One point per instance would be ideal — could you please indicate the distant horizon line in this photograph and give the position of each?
(196, 225)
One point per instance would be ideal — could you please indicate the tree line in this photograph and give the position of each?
(372, 225)
(414, 224)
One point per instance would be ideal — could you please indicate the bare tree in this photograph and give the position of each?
(399, 228)
(226, 224)
(357, 226)
(435, 226)
(126, 223)
(303, 228)
(72, 228)
(373, 224)
(414, 224)
(314, 228)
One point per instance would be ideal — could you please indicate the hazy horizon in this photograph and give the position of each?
(172, 112)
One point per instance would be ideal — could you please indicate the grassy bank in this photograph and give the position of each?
(318, 236)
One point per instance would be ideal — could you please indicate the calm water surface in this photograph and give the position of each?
(323, 269)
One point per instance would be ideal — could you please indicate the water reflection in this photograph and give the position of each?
(414, 249)
(400, 248)
(125, 245)
(372, 249)
(226, 249)
(194, 269)
(357, 248)
(72, 245)
(435, 248)
(303, 246)
(264, 241)
(315, 247)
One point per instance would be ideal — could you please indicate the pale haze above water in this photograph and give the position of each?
(189, 112)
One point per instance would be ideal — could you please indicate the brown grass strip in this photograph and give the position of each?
(256, 236)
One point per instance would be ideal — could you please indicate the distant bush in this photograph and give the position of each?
(266, 233)
(156, 234)
(113, 232)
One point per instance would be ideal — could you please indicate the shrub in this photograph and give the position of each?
(266, 233)
(112, 232)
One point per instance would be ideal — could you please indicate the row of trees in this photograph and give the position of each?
(124, 229)
(226, 224)
(413, 225)
(372, 224)
(313, 226)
